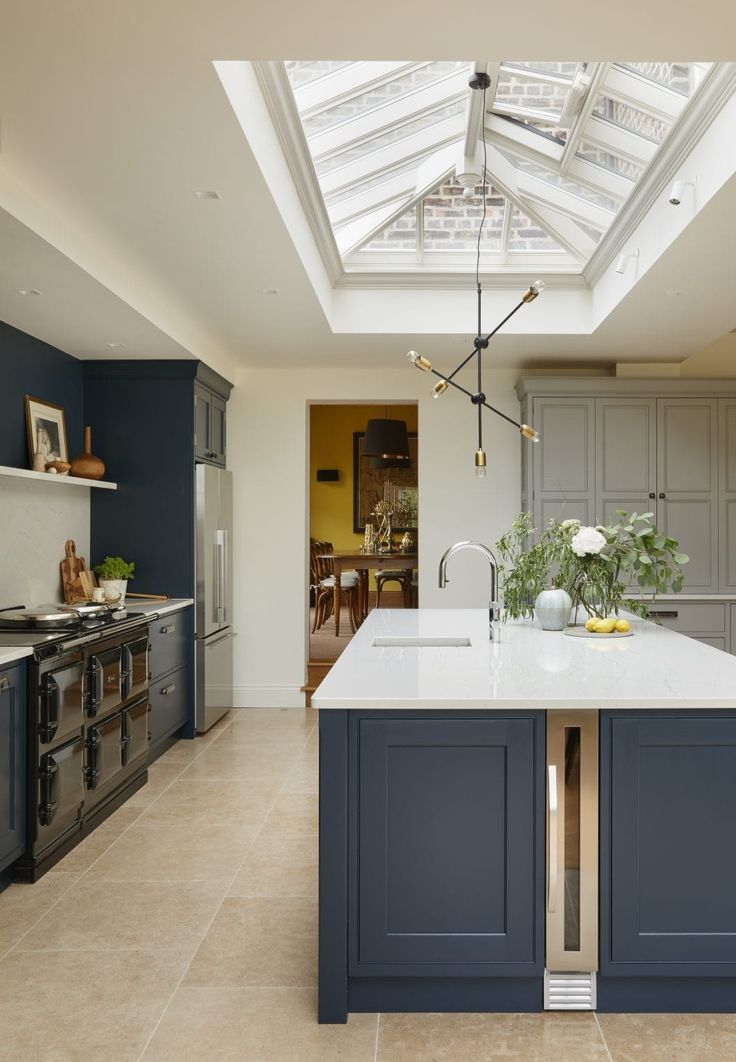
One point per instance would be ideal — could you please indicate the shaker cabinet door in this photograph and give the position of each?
(448, 847)
(626, 457)
(687, 485)
(564, 466)
(727, 463)
(12, 763)
(668, 844)
(202, 422)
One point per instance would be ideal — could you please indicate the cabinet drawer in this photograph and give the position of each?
(691, 617)
(713, 640)
(169, 702)
(171, 637)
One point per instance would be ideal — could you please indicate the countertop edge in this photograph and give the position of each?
(19, 652)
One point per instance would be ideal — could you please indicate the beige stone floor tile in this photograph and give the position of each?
(183, 752)
(259, 941)
(175, 853)
(160, 777)
(279, 864)
(116, 915)
(294, 813)
(303, 775)
(81, 858)
(21, 906)
(82, 1006)
(204, 802)
(255, 763)
(670, 1037)
(264, 733)
(489, 1037)
(257, 1025)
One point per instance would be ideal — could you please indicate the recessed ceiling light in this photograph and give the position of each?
(28, 291)
(269, 291)
(117, 346)
(674, 294)
(205, 193)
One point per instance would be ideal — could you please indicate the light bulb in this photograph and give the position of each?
(480, 464)
(529, 432)
(439, 388)
(534, 289)
(421, 363)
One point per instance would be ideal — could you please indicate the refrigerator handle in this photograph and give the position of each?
(552, 857)
(225, 596)
(220, 537)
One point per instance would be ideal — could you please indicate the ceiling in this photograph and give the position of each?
(111, 115)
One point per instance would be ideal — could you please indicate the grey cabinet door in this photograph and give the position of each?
(12, 763)
(626, 456)
(687, 484)
(217, 439)
(668, 844)
(448, 836)
(727, 470)
(202, 422)
(564, 465)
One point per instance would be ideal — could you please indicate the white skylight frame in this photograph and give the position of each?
(570, 218)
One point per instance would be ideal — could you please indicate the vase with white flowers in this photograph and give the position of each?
(595, 565)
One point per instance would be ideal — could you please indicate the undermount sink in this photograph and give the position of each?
(420, 640)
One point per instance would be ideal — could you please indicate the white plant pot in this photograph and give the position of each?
(114, 589)
(552, 608)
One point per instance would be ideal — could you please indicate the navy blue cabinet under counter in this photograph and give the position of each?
(432, 855)
(12, 763)
(668, 861)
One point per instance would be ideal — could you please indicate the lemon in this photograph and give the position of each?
(623, 625)
(605, 626)
(590, 624)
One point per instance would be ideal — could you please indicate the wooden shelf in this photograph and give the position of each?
(49, 477)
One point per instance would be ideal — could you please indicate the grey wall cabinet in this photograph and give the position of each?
(727, 523)
(12, 763)
(668, 844)
(171, 679)
(446, 869)
(563, 476)
(210, 415)
(625, 456)
(687, 484)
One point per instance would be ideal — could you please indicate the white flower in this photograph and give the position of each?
(587, 541)
(569, 525)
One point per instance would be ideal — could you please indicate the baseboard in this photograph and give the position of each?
(268, 697)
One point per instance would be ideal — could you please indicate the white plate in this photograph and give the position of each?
(580, 632)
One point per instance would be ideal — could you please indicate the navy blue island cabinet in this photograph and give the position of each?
(668, 861)
(432, 836)
(12, 764)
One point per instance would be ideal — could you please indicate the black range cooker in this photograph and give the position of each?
(87, 720)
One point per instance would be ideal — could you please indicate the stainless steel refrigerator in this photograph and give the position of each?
(213, 610)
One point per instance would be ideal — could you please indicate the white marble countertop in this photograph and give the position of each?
(158, 608)
(10, 655)
(526, 668)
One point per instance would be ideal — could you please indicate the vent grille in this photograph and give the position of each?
(569, 991)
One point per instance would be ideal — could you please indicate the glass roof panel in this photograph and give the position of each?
(452, 221)
(378, 131)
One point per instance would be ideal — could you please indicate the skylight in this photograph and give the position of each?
(396, 149)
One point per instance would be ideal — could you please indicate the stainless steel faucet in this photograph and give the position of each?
(494, 608)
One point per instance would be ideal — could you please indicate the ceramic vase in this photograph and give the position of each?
(114, 590)
(86, 465)
(552, 608)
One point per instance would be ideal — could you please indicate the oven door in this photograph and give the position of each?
(104, 752)
(135, 667)
(103, 692)
(60, 702)
(60, 792)
(135, 732)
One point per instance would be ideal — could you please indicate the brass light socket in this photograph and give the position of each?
(529, 432)
(480, 459)
(439, 388)
(421, 362)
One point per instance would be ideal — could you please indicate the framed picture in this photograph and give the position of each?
(46, 429)
(368, 482)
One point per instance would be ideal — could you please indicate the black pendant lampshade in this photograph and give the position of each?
(386, 439)
(376, 463)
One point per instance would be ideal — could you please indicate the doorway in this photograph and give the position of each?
(345, 496)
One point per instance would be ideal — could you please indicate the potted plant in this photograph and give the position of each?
(113, 575)
(571, 565)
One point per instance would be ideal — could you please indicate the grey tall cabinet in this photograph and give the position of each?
(666, 446)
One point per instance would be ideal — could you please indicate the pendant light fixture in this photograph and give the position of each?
(387, 441)
(480, 81)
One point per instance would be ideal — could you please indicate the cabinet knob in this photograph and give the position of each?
(662, 494)
(652, 494)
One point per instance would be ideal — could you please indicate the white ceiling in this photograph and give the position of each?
(111, 114)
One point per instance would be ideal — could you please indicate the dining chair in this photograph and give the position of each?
(402, 576)
(323, 582)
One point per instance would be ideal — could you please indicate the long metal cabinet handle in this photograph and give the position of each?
(225, 601)
(552, 857)
(221, 605)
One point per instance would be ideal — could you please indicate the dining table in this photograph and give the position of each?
(349, 560)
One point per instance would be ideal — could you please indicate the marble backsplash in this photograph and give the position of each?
(36, 519)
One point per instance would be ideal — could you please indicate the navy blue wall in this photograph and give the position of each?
(28, 366)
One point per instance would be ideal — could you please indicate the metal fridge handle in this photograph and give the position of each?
(219, 577)
(552, 864)
(223, 559)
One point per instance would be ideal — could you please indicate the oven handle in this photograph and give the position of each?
(94, 697)
(50, 709)
(47, 809)
(552, 865)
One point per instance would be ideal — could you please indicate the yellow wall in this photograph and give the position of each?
(331, 446)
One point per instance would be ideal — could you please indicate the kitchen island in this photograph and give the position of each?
(538, 821)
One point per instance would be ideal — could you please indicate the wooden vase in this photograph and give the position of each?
(86, 465)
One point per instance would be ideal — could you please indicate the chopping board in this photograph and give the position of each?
(71, 568)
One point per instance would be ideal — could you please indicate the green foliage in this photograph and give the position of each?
(115, 568)
(635, 553)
